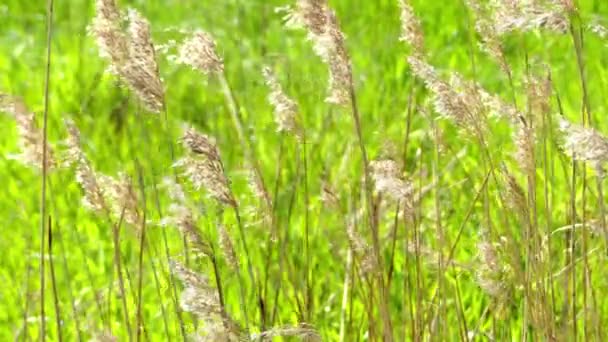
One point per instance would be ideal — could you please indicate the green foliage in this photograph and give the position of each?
(118, 135)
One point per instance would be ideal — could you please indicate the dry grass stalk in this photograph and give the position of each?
(494, 275)
(516, 196)
(324, 32)
(30, 136)
(204, 166)
(202, 300)
(130, 52)
(584, 144)
(387, 180)
(104, 195)
(123, 198)
(91, 182)
(181, 216)
(303, 331)
(524, 16)
(285, 109)
(368, 261)
(457, 100)
(411, 30)
(490, 40)
(200, 53)
(227, 247)
(525, 140)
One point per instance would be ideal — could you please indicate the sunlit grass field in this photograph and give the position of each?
(431, 266)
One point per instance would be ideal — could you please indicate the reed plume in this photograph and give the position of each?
(285, 109)
(584, 144)
(411, 29)
(199, 51)
(130, 52)
(180, 215)
(204, 167)
(324, 32)
(202, 300)
(30, 140)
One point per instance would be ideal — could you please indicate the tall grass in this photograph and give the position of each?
(468, 214)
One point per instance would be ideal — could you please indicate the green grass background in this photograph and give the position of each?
(249, 35)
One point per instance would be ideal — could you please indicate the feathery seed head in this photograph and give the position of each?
(328, 43)
(30, 137)
(387, 180)
(458, 100)
(369, 264)
(525, 141)
(227, 247)
(123, 198)
(181, 216)
(141, 71)
(202, 300)
(203, 166)
(285, 109)
(411, 30)
(526, 16)
(304, 331)
(309, 15)
(584, 144)
(107, 30)
(91, 182)
(130, 52)
(200, 53)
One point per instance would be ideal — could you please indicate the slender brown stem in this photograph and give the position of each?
(44, 166)
(58, 319)
(308, 271)
(384, 311)
(142, 245)
(118, 265)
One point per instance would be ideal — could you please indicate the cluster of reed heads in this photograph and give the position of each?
(405, 274)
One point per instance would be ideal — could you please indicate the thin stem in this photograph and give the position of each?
(58, 318)
(118, 265)
(247, 259)
(384, 311)
(345, 294)
(47, 83)
(307, 233)
(142, 244)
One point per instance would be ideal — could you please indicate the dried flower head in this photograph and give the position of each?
(130, 52)
(107, 30)
(525, 142)
(411, 30)
(199, 52)
(181, 216)
(204, 167)
(202, 300)
(121, 194)
(141, 71)
(516, 196)
(90, 181)
(227, 247)
(598, 28)
(499, 108)
(361, 249)
(324, 32)
(285, 109)
(457, 100)
(494, 274)
(386, 175)
(30, 137)
(524, 16)
(303, 331)
(490, 40)
(584, 144)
